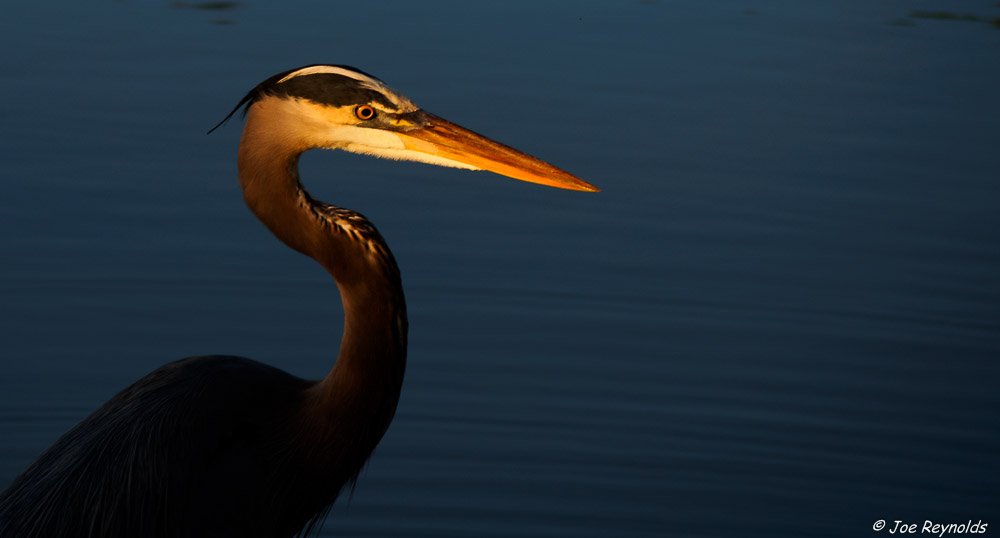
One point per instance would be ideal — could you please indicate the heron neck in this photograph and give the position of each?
(369, 368)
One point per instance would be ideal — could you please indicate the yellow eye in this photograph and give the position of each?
(364, 112)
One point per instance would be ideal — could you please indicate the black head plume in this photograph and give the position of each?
(320, 87)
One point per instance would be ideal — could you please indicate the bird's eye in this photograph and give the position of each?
(364, 112)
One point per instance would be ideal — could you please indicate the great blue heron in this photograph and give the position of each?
(220, 446)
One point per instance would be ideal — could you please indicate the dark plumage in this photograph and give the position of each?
(153, 442)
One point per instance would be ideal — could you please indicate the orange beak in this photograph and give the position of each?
(443, 138)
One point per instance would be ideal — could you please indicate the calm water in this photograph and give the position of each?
(781, 317)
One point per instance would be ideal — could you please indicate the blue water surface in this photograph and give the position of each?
(780, 317)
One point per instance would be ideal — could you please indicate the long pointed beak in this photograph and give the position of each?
(443, 138)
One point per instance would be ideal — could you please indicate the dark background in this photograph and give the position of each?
(781, 317)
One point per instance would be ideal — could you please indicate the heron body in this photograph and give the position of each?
(220, 446)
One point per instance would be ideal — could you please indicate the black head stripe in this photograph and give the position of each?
(330, 89)
(326, 88)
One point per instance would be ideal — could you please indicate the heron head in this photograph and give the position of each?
(340, 107)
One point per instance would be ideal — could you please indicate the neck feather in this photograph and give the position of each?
(369, 368)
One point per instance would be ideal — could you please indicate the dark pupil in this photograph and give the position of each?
(365, 112)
